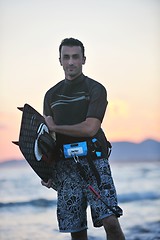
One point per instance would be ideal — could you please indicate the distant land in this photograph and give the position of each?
(148, 150)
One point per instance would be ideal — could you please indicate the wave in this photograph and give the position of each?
(34, 203)
(132, 197)
(123, 198)
(146, 230)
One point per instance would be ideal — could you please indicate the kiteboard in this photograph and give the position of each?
(31, 143)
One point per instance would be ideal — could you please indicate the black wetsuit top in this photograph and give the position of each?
(72, 101)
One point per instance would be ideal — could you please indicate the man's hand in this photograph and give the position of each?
(47, 184)
(50, 123)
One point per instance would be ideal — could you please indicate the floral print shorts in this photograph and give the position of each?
(74, 195)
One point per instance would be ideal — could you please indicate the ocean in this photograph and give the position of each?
(28, 210)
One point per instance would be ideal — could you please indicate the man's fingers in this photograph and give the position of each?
(47, 184)
(49, 121)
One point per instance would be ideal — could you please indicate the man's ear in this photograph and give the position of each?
(84, 60)
(60, 61)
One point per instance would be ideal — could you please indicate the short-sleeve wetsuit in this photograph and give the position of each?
(71, 102)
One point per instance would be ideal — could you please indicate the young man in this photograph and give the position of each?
(74, 109)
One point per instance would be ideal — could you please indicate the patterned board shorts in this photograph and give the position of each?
(74, 195)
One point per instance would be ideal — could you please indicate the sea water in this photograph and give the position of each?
(28, 210)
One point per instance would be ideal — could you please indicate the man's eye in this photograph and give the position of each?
(66, 57)
(75, 56)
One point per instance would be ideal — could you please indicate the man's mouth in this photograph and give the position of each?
(71, 69)
(71, 66)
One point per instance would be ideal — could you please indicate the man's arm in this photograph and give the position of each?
(88, 128)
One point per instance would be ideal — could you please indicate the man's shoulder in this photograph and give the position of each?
(55, 87)
(93, 83)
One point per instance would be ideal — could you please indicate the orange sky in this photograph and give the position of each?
(122, 50)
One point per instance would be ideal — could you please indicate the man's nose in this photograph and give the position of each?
(70, 61)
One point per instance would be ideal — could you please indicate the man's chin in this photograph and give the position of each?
(73, 75)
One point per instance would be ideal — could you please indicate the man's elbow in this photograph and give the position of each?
(91, 132)
(92, 126)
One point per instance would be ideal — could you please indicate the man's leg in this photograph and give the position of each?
(112, 228)
(82, 235)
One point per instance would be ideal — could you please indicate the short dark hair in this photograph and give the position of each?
(71, 42)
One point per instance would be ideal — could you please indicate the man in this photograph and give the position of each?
(74, 109)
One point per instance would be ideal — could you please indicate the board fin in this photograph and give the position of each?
(20, 108)
(16, 143)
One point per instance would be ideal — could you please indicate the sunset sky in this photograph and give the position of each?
(121, 38)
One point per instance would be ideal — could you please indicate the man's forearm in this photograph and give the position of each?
(87, 128)
(77, 130)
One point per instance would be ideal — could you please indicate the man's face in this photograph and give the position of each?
(72, 60)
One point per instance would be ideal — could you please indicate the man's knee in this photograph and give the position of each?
(112, 228)
(111, 224)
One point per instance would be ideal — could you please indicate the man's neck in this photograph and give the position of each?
(68, 77)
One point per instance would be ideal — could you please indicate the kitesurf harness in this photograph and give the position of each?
(90, 149)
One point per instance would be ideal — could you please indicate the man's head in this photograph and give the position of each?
(70, 42)
(71, 57)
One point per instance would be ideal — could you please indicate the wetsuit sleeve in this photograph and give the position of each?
(98, 102)
(46, 106)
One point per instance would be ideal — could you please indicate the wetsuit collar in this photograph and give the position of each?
(75, 81)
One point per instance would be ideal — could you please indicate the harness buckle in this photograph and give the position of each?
(75, 157)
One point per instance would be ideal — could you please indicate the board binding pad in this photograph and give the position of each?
(32, 126)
